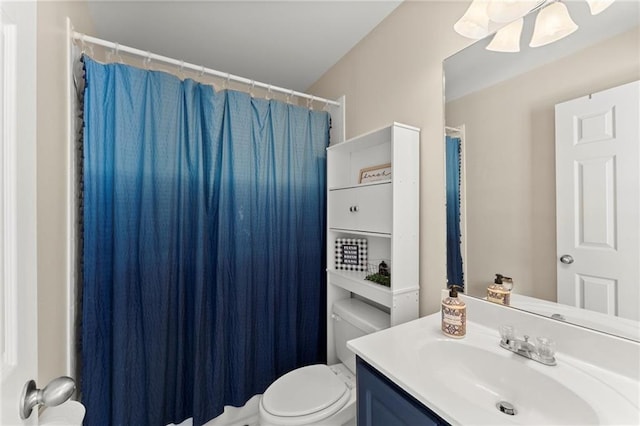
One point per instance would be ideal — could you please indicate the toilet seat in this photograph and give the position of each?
(306, 395)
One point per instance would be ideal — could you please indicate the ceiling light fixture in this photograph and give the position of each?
(552, 23)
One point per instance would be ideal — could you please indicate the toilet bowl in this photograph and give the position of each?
(320, 394)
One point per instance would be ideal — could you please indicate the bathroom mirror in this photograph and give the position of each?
(501, 165)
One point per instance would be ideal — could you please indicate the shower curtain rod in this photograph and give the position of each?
(83, 38)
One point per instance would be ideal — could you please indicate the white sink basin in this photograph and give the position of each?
(485, 378)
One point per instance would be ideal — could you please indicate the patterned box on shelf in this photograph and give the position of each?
(351, 254)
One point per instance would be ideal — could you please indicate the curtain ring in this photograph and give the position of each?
(147, 61)
(268, 97)
(290, 95)
(181, 70)
(253, 83)
(83, 44)
(310, 103)
(326, 106)
(82, 39)
(202, 70)
(225, 85)
(118, 57)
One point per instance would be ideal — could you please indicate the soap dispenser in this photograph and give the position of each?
(500, 290)
(454, 315)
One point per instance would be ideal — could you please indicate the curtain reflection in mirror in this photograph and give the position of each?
(454, 255)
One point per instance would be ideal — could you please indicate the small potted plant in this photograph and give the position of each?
(379, 273)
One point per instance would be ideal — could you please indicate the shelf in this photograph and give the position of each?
(363, 233)
(360, 185)
(387, 216)
(354, 282)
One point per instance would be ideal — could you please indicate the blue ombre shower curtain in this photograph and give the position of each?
(203, 249)
(454, 255)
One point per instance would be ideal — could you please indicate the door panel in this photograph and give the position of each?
(596, 293)
(595, 187)
(595, 127)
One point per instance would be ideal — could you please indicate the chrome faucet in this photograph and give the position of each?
(543, 353)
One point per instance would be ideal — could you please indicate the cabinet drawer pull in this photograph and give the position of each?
(353, 209)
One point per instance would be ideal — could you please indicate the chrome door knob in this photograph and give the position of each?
(567, 259)
(55, 393)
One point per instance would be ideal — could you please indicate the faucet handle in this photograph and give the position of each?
(507, 333)
(546, 348)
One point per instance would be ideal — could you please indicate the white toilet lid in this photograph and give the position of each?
(304, 391)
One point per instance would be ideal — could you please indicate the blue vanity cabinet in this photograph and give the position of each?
(383, 403)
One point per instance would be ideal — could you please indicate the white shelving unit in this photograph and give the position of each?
(384, 212)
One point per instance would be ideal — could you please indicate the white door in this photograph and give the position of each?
(598, 201)
(18, 304)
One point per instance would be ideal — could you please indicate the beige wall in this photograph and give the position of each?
(52, 180)
(395, 74)
(510, 162)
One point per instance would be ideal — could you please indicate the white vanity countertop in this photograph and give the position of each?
(404, 354)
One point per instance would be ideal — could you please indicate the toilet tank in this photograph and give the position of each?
(353, 318)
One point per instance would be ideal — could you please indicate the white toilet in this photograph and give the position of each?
(321, 394)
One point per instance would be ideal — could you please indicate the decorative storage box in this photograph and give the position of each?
(351, 254)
